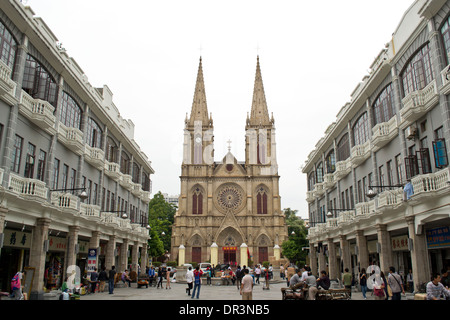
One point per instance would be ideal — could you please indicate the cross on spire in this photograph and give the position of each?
(229, 145)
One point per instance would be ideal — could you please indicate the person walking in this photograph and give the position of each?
(189, 280)
(363, 282)
(160, 278)
(151, 275)
(102, 278)
(239, 275)
(168, 278)
(126, 278)
(410, 281)
(395, 282)
(246, 289)
(208, 275)
(347, 280)
(197, 282)
(16, 286)
(257, 273)
(94, 280)
(111, 277)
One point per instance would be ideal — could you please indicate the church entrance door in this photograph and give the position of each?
(229, 255)
(196, 254)
(263, 254)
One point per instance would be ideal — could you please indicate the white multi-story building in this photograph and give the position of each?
(60, 137)
(394, 135)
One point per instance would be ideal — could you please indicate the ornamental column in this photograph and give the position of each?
(384, 240)
(313, 259)
(345, 253)
(332, 260)
(419, 255)
(37, 257)
(363, 252)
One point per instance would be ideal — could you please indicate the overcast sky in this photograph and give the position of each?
(312, 55)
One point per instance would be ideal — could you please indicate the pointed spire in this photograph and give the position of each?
(199, 109)
(259, 114)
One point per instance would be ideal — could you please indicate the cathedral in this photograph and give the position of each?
(229, 211)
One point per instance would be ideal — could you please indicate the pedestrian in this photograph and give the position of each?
(94, 279)
(304, 274)
(347, 281)
(151, 275)
(311, 282)
(379, 288)
(208, 275)
(395, 282)
(410, 281)
(257, 273)
(16, 286)
(197, 282)
(270, 272)
(246, 289)
(160, 278)
(239, 275)
(435, 288)
(126, 278)
(444, 278)
(385, 285)
(102, 277)
(324, 280)
(168, 278)
(282, 275)
(363, 282)
(111, 277)
(189, 280)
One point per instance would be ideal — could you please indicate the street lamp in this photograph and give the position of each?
(83, 195)
(372, 194)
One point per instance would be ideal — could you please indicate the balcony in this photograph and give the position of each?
(329, 180)
(383, 133)
(38, 111)
(343, 168)
(417, 103)
(72, 138)
(27, 187)
(390, 199)
(445, 76)
(319, 189)
(310, 196)
(64, 200)
(89, 210)
(136, 189)
(94, 156)
(7, 85)
(364, 209)
(145, 196)
(360, 153)
(127, 182)
(431, 184)
(346, 217)
(112, 170)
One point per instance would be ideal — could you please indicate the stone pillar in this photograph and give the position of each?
(72, 242)
(244, 256)
(332, 260)
(94, 243)
(123, 258)
(322, 261)
(144, 255)
(37, 257)
(276, 252)
(110, 256)
(182, 256)
(345, 253)
(135, 256)
(384, 240)
(214, 254)
(363, 252)
(419, 255)
(313, 259)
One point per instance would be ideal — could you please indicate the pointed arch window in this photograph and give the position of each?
(197, 202)
(261, 201)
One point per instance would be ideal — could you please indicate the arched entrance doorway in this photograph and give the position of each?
(229, 241)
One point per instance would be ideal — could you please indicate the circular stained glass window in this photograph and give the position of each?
(230, 197)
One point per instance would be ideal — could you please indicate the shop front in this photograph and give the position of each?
(438, 245)
(401, 255)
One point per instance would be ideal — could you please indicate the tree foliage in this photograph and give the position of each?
(160, 218)
(292, 247)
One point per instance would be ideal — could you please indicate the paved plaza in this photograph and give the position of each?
(207, 292)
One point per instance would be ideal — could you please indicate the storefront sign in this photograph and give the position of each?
(400, 243)
(91, 260)
(60, 244)
(17, 239)
(230, 248)
(438, 237)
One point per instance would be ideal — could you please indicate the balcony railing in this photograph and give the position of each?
(310, 196)
(417, 103)
(27, 186)
(72, 138)
(7, 85)
(89, 210)
(145, 196)
(38, 111)
(64, 200)
(136, 189)
(383, 133)
(343, 168)
(127, 182)
(431, 183)
(319, 189)
(94, 156)
(329, 180)
(112, 170)
(364, 209)
(360, 153)
(390, 198)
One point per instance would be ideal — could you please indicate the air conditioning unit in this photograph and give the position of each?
(410, 132)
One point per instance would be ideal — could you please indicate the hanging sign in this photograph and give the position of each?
(438, 237)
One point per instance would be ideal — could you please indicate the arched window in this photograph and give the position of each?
(445, 33)
(197, 202)
(135, 173)
(319, 173)
(343, 148)
(361, 130)
(383, 108)
(261, 201)
(418, 72)
(94, 134)
(330, 162)
(145, 181)
(311, 181)
(111, 150)
(125, 163)
(70, 114)
(38, 82)
(8, 46)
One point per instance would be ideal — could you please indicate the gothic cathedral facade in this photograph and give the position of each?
(228, 204)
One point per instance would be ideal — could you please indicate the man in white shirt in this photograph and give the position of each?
(247, 286)
(189, 280)
(304, 274)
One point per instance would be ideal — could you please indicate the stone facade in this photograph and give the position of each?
(229, 211)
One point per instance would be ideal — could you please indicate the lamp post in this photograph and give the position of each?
(372, 194)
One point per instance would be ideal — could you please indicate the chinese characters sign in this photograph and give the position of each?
(399, 243)
(438, 237)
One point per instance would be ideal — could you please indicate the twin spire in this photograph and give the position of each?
(259, 114)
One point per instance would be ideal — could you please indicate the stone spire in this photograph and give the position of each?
(259, 114)
(199, 109)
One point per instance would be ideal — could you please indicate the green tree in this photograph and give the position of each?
(160, 218)
(292, 247)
